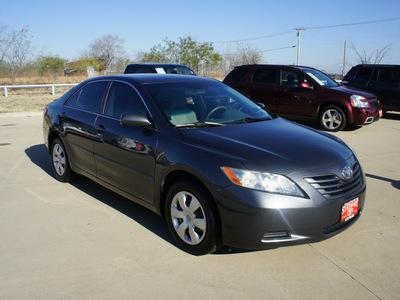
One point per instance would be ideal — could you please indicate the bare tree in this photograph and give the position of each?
(3, 42)
(374, 57)
(16, 49)
(109, 48)
(243, 55)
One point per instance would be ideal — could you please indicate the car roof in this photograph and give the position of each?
(274, 66)
(378, 65)
(150, 78)
(155, 64)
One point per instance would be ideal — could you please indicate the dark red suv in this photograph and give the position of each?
(303, 92)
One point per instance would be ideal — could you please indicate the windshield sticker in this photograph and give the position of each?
(160, 70)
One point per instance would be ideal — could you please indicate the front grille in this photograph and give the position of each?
(374, 103)
(331, 186)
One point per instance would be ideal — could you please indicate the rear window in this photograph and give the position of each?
(237, 74)
(389, 75)
(265, 76)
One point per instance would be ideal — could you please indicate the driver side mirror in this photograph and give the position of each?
(134, 120)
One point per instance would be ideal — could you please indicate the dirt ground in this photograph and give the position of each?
(19, 100)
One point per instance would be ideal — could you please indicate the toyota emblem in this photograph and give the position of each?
(347, 173)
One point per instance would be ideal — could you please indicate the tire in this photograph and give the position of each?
(332, 118)
(59, 161)
(191, 218)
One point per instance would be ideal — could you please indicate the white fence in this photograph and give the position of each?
(53, 87)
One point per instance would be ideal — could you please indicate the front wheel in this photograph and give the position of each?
(332, 118)
(191, 217)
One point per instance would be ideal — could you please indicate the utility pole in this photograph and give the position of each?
(344, 57)
(299, 30)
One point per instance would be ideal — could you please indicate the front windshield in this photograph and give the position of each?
(321, 78)
(204, 103)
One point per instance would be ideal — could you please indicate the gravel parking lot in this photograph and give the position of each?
(81, 241)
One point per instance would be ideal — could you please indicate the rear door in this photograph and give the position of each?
(263, 85)
(78, 118)
(125, 156)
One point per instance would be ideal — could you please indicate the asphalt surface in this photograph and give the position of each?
(81, 241)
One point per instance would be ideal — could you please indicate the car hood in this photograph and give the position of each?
(276, 145)
(351, 91)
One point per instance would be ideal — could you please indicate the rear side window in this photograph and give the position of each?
(364, 73)
(389, 75)
(265, 76)
(237, 74)
(91, 96)
(122, 98)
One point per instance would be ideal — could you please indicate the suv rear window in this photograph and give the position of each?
(237, 74)
(389, 75)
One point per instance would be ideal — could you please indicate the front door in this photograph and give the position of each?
(125, 156)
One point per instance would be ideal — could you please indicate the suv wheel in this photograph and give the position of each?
(191, 218)
(332, 118)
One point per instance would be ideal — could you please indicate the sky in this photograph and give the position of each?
(66, 28)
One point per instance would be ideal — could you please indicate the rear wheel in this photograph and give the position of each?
(332, 118)
(191, 217)
(59, 161)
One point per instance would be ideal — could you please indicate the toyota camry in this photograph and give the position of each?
(220, 168)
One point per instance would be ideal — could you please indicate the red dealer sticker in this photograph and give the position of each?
(349, 210)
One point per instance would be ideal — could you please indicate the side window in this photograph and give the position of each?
(91, 96)
(389, 75)
(122, 98)
(291, 78)
(364, 73)
(237, 74)
(265, 76)
(144, 69)
(74, 99)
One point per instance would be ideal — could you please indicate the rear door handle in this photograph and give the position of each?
(100, 127)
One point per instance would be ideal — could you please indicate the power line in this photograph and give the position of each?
(256, 38)
(308, 28)
(294, 46)
(352, 24)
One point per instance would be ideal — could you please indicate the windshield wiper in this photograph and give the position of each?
(250, 120)
(199, 124)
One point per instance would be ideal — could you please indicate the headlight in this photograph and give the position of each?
(263, 181)
(358, 101)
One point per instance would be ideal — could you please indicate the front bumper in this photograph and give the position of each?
(253, 219)
(364, 116)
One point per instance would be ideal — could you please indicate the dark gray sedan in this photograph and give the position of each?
(220, 168)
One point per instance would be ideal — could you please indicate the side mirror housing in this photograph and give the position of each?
(306, 85)
(134, 120)
(262, 105)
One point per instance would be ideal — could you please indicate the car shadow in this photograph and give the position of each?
(395, 183)
(391, 115)
(39, 155)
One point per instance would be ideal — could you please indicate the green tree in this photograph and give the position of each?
(54, 64)
(201, 57)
